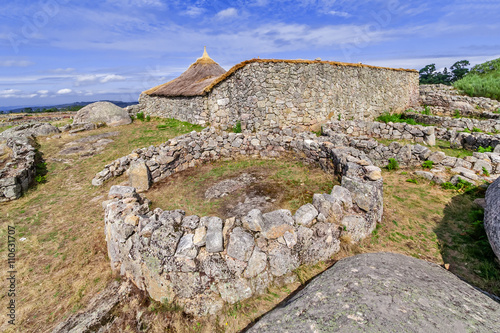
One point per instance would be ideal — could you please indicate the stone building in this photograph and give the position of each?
(266, 93)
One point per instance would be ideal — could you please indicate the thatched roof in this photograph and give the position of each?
(193, 81)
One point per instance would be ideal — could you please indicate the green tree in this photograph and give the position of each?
(459, 69)
(428, 74)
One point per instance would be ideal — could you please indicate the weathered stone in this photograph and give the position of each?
(371, 293)
(282, 260)
(103, 112)
(492, 216)
(215, 267)
(139, 176)
(276, 223)
(200, 236)
(256, 264)
(328, 206)
(241, 244)
(342, 194)
(234, 290)
(122, 192)
(253, 220)
(373, 172)
(364, 195)
(356, 226)
(214, 240)
(306, 215)
(191, 222)
(186, 247)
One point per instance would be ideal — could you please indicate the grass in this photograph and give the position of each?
(482, 81)
(290, 183)
(62, 222)
(64, 261)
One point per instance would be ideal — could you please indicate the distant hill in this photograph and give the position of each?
(483, 80)
(61, 107)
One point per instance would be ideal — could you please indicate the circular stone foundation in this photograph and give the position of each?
(201, 262)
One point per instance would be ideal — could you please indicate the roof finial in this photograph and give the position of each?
(205, 54)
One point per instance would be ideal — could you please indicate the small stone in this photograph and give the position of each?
(306, 215)
(240, 245)
(191, 222)
(186, 248)
(253, 220)
(276, 223)
(200, 236)
(256, 264)
(214, 239)
(139, 175)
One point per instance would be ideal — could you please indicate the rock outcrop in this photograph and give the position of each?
(17, 172)
(35, 130)
(384, 292)
(103, 112)
(492, 216)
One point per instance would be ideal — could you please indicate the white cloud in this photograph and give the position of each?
(337, 13)
(194, 11)
(64, 91)
(63, 70)
(111, 78)
(227, 13)
(15, 63)
(14, 93)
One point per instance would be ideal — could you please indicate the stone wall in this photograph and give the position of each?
(457, 124)
(19, 170)
(190, 109)
(266, 93)
(445, 168)
(391, 131)
(202, 262)
(446, 100)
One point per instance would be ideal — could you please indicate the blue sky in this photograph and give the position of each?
(59, 51)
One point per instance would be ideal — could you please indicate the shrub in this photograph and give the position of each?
(393, 164)
(427, 164)
(476, 130)
(486, 172)
(140, 116)
(395, 118)
(488, 149)
(237, 127)
(426, 110)
(462, 185)
(148, 118)
(457, 114)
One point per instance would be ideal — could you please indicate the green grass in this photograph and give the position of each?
(395, 118)
(393, 164)
(482, 81)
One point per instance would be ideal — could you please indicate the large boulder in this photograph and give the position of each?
(492, 216)
(384, 292)
(103, 112)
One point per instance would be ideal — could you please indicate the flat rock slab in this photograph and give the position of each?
(89, 145)
(492, 216)
(384, 292)
(228, 186)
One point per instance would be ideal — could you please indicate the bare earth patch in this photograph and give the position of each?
(233, 188)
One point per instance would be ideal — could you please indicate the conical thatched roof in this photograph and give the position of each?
(193, 81)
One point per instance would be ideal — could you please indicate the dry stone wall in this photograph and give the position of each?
(190, 109)
(445, 168)
(458, 124)
(447, 100)
(203, 262)
(19, 172)
(265, 94)
(391, 131)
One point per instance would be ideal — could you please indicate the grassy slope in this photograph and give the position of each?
(63, 261)
(482, 81)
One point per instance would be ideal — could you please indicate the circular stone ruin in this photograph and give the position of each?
(202, 262)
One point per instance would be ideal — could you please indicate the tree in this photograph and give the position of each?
(459, 69)
(428, 74)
